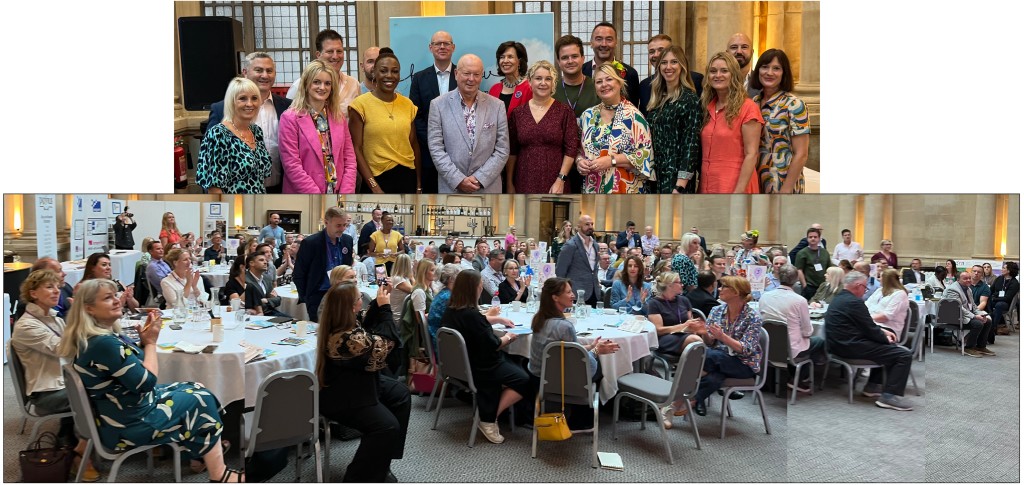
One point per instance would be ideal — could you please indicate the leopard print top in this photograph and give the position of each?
(359, 343)
(226, 162)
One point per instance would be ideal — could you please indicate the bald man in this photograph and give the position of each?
(426, 85)
(467, 133)
(742, 48)
(579, 259)
(369, 58)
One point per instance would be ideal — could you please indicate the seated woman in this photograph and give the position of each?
(630, 292)
(182, 281)
(828, 290)
(937, 280)
(35, 339)
(120, 379)
(499, 382)
(402, 282)
(890, 303)
(340, 274)
(350, 356)
(513, 287)
(669, 311)
(235, 286)
(440, 302)
(549, 325)
(98, 266)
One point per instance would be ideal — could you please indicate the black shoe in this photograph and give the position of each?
(390, 478)
(734, 395)
(700, 409)
(464, 396)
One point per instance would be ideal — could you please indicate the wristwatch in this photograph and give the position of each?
(562, 177)
(680, 189)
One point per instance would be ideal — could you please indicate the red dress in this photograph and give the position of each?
(540, 147)
(722, 144)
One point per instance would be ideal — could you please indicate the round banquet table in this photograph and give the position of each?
(218, 274)
(632, 346)
(291, 306)
(224, 371)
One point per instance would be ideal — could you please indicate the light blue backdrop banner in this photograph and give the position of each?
(472, 34)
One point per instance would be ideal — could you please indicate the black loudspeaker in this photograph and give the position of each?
(208, 48)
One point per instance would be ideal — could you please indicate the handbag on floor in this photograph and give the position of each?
(553, 426)
(45, 460)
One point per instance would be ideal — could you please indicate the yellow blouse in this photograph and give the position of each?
(386, 128)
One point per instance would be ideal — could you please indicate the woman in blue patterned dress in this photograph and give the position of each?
(787, 131)
(616, 155)
(120, 379)
(683, 264)
(232, 156)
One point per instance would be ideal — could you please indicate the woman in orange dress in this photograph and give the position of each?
(732, 130)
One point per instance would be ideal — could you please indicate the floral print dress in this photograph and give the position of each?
(132, 410)
(784, 117)
(628, 134)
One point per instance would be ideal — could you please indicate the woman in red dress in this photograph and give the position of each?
(731, 135)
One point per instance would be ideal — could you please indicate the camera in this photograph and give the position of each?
(129, 214)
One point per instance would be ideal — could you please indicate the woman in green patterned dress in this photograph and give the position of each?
(675, 117)
(787, 131)
(120, 379)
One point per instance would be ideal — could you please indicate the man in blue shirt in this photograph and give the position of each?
(272, 229)
(318, 255)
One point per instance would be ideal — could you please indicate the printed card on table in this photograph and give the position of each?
(419, 251)
(542, 246)
(547, 270)
(756, 276)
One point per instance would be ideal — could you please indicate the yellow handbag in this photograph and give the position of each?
(553, 426)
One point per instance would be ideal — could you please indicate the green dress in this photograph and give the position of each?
(132, 410)
(675, 127)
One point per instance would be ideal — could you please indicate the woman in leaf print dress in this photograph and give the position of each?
(616, 156)
(120, 379)
(675, 116)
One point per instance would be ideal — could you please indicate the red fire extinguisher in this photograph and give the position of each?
(180, 164)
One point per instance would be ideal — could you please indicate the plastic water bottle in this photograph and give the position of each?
(495, 302)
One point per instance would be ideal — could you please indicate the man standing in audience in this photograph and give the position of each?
(435, 80)
(158, 269)
(703, 296)
(703, 243)
(369, 228)
(803, 244)
(492, 275)
(741, 47)
(649, 242)
(849, 250)
(330, 48)
(318, 255)
(480, 261)
(852, 334)
(872, 283)
(259, 68)
(578, 261)
(913, 274)
(979, 289)
(369, 58)
(272, 229)
(786, 306)
(603, 41)
(980, 323)
(629, 238)
(655, 47)
(811, 262)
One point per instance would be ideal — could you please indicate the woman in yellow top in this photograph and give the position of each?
(381, 123)
(385, 244)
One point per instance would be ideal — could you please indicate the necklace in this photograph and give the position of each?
(391, 110)
(609, 107)
(542, 108)
(249, 140)
(509, 84)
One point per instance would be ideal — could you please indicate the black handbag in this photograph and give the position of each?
(46, 460)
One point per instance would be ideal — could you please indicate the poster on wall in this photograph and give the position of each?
(114, 208)
(84, 208)
(46, 225)
(96, 240)
(215, 218)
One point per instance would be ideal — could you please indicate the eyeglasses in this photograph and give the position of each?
(442, 44)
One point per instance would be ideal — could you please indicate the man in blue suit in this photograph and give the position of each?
(259, 68)
(435, 80)
(628, 238)
(318, 255)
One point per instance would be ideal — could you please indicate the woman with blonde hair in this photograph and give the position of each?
(342, 273)
(317, 155)
(233, 156)
(565, 233)
(120, 379)
(401, 282)
(828, 290)
(681, 262)
(889, 304)
(181, 282)
(674, 112)
(731, 133)
(169, 233)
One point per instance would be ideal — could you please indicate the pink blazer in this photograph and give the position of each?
(301, 159)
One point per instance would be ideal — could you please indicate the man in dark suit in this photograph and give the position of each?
(578, 261)
(318, 254)
(369, 228)
(852, 334)
(603, 41)
(259, 68)
(437, 79)
(257, 294)
(913, 274)
(655, 47)
(703, 296)
(628, 238)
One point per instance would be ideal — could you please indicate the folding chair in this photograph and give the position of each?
(287, 413)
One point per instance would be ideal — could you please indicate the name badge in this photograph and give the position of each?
(817, 266)
(1002, 294)
(387, 251)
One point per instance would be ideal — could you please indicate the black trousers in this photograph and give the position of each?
(977, 337)
(383, 425)
(398, 180)
(427, 170)
(313, 304)
(491, 383)
(896, 361)
(816, 351)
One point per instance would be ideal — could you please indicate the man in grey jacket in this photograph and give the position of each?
(975, 344)
(578, 261)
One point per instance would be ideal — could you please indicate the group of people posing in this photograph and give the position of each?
(563, 127)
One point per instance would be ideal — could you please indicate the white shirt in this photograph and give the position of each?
(588, 247)
(852, 253)
(491, 280)
(605, 274)
(267, 121)
(443, 78)
(785, 305)
(894, 307)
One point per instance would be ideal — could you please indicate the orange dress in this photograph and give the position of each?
(722, 146)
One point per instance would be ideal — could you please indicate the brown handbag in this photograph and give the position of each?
(46, 460)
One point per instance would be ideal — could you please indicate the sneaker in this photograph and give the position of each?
(89, 475)
(872, 390)
(666, 416)
(893, 402)
(984, 351)
(491, 432)
(803, 387)
(973, 352)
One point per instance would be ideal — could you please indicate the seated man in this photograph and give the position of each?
(785, 305)
(702, 297)
(605, 271)
(157, 270)
(872, 282)
(773, 282)
(976, 342)
(216, 251)
(258, 296)
(853, 334)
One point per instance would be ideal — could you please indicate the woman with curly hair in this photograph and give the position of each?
(732, 130)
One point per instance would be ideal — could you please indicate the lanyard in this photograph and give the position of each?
(578, 94)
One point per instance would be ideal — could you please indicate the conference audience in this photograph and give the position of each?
(513, 90)
(233, 156)
(260, 297)
(386, 243)
(544, 138)
(383, 134)
(216, 252)
(681, 262)
(786, 306)
(889, 304)
(235, 286)
(951, 269)
(630, 291)
(989, 278)
(669, 311)
(787, 128)
(980, 323)
(937, 280)
(182, 283)
(731, 130)
(674, 113)
(401, 281)
(811, 263)
(317, 156)
(98, 266)
(169, 233)
(914, 275)
(439, 304)
(514, 287)
(704, 297)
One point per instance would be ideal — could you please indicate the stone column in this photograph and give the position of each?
(739, 216)
(761, 218)
(807, 74)
(723, 20)
(847, 218)
(985, 227)
(874, 223)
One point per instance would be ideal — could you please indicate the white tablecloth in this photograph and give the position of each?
(7, 323)
(632, 346)
(122, 267)
(290, 300)
(73, 272)
(218, 275)
(223, 371)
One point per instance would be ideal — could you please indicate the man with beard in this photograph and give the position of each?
(578, 261)
(603, 41)
(369, 58)
(741, 47)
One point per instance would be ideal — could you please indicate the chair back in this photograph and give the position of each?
(81, 406)
(918, 337)
(912, 316)
(691, 363)
(778, 354)
(18, 374)
(578, 387)
(453, 358)
(425, 339)
(765, 345)
(287, 411)
(949, 313)
(695, 313)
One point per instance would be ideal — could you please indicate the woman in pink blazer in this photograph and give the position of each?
(316, 148)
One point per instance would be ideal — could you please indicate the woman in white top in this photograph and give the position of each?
(889, 304)
(182, 279)
(401, 282)
(423, 293)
